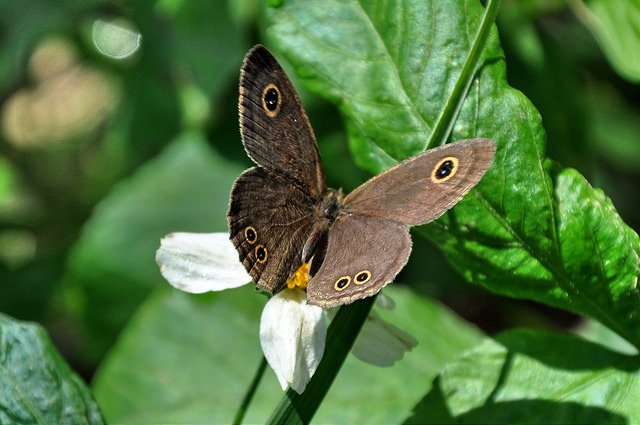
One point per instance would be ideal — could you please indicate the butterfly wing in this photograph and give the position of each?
(370, 243)
(275, 129)
(363, 254)
(422, 188)
(270, 219)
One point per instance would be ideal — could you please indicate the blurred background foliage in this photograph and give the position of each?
(119, 124)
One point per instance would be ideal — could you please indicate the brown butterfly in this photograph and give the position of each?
(282, 214)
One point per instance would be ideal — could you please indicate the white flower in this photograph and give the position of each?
(292, 335)
(292, 332)
(200, 262)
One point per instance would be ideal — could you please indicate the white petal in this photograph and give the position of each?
(292, 335)
(200, 262)
(380, 343)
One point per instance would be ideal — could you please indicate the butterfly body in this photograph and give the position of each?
(282, 215)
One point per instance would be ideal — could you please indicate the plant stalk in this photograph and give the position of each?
(446, 119)
(251, 391)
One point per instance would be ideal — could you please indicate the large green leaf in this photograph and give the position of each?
(391, 68)
(589, 263)
(190, 359)
(387, 65)
(519, 379)
(36, 385)
(112, 267)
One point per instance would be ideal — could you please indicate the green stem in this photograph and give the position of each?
(446, 120)
(250, 392)
(297, 408)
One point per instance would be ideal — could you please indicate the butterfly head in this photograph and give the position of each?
(332, 204)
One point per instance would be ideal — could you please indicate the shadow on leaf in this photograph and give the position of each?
(433, 409)
(576, 353)
(528, 376)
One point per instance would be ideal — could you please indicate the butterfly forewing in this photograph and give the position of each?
(363, 255)
(275, 129)
(270, 220)
(422, 188)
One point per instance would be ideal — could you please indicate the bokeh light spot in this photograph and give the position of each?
(117, 39)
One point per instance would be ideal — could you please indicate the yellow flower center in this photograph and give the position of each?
(300, 278)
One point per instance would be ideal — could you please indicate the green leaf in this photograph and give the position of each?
(386, 65)
(592, 269)
(112, 266)
(600, 252)
(391, 69)
(518, 379)
(36, 385)
(184, 358)
(616, 26)
(189, 359)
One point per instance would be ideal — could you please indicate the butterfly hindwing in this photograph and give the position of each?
(363, 255)
(270, 220)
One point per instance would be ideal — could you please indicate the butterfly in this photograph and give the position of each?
(282, 215)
